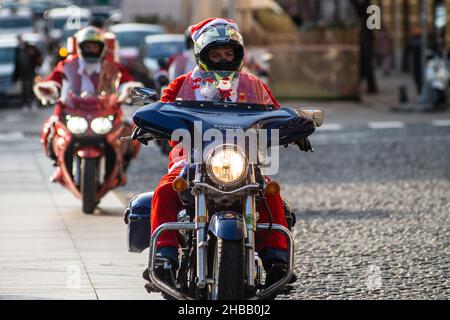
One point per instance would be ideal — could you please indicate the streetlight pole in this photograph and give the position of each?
(424, 35)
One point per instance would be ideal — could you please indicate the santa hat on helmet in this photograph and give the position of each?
(197, 29)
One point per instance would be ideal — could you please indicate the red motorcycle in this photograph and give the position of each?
(84, 141)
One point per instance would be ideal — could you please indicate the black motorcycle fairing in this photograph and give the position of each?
(162, 119)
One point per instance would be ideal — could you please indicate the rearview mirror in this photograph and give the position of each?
(315, 114)
(142, 96)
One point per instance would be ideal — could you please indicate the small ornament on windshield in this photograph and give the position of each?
(225, 90)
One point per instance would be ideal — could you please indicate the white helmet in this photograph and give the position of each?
(86, 37)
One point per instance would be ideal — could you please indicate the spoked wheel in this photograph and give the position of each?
(88, 184)
(228, 270)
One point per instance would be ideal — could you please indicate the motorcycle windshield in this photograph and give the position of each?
(224, 87)
(223, 101)
(94, 90)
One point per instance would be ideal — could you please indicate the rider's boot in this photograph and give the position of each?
(275, 265)
(165, 268)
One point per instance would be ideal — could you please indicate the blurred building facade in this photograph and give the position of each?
(400, 19)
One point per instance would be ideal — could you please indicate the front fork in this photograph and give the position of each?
(201, 219)
(202, 245)
(250, 223)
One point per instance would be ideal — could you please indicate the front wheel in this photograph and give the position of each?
(88, 184)
(228, 270)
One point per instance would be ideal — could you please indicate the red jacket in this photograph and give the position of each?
(57, 74)
(170, 94)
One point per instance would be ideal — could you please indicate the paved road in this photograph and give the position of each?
(374, 214)
(372, 204)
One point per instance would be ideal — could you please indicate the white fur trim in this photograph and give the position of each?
(54, 88)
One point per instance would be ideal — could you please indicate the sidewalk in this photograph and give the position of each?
(49, 249)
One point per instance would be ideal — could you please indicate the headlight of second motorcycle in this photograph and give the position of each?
(227, 165)
(76, 125)
(102, 125)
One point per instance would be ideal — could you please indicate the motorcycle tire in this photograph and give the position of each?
(88, 185)
(229, 269)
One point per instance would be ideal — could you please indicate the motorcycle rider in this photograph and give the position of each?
(90, 64)
(224, 52)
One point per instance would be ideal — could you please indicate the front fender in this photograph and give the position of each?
(228, 225)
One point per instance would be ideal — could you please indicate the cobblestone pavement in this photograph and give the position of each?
(373, 211)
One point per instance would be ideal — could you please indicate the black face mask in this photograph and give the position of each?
(223, 65)
(91, 57)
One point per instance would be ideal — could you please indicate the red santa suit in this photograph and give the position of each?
(73, 74)
(166, 203)
(82, 78)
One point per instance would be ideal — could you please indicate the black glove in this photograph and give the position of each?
(305, 145)
(141, 136)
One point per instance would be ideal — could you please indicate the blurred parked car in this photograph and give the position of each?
(59, 18)
(131, 37)
(8, 46)
(107, 15)
(159, 48)
(14, 22)
(40, 6)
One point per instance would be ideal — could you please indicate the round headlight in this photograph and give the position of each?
(77, 125)
(226, 165)
(101, 125)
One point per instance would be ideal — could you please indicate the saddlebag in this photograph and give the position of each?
(137, 217)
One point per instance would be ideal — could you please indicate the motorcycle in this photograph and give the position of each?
(219, 192)
(84, 142)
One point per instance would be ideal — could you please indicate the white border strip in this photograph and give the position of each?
(441, 123)
(386, 125)
(13, 135)
(330, 127)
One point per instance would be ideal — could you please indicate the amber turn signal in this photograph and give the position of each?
(273, 188)
(179, 184)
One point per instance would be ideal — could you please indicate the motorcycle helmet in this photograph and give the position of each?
(90, 44)
(215, 33)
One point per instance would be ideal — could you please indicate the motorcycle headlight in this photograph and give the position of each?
(102, 125)
(226, 165)
(76, 125)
